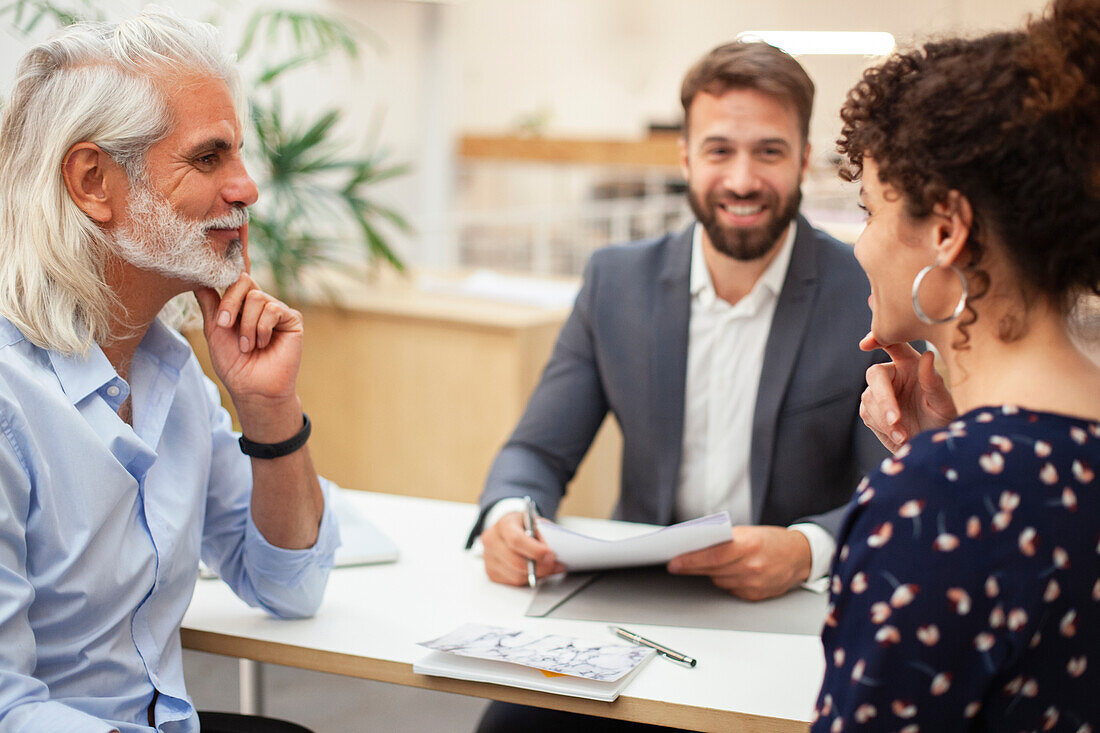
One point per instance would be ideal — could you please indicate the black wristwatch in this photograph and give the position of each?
(277, 450)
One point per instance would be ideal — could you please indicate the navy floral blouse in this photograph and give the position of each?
(966, 589)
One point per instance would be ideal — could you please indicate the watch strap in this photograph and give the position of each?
(277, 450)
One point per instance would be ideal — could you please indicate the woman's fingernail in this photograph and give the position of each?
(224, 319)
(898, 436)
(891, 416)
(244, 344)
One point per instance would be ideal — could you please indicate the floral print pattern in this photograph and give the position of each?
(966, 589)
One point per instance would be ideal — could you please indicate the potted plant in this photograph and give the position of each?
(301, 165)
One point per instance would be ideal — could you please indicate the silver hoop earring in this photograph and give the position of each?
(916, 291)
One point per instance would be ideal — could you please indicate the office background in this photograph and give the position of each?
(444, 86)
(571, 68)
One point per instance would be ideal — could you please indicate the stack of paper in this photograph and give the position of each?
(657, 546)
(534, 661)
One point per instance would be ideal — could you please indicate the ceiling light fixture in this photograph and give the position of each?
(799, 43)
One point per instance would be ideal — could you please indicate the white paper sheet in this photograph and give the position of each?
(581, 552)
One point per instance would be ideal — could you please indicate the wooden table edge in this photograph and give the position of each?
(401, 673)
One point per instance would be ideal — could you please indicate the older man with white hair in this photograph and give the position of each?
(122, 186)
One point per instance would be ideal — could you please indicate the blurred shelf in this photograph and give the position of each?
(654, 151)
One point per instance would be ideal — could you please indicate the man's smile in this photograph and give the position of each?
(742, 214)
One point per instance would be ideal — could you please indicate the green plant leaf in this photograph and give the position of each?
(378, 246)
(312, 33)
(392, 216)
(271, 73)
(43, 9)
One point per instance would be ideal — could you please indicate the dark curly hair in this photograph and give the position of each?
(1012, 122)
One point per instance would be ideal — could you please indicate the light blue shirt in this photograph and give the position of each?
(101, 530)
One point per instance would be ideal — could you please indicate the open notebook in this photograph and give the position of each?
(361, 543)
(563, 665)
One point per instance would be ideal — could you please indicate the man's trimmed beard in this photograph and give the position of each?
(746, 244)
(160, 240)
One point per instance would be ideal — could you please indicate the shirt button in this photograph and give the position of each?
(112, 391)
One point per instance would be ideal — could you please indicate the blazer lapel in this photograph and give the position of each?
(792, 314)
(671, 307)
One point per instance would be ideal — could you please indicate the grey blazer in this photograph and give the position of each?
(624, 349)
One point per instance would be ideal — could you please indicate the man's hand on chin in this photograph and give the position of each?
(255, 344)
(758, 563)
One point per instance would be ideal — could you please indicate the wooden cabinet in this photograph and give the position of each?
(413, 392)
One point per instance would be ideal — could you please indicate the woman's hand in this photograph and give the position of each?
(904, 397)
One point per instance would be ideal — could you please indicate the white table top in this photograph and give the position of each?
(372, 617)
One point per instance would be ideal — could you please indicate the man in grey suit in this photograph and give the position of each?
(728, 353)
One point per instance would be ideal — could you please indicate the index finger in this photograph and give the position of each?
(902, 353)
(244, 248)
(899, 353)
(233, 299)
(869, 342)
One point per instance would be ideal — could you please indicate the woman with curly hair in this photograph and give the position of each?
(966, 589)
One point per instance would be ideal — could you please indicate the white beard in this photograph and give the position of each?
(160, 240)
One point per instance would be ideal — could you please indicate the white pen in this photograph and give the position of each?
(529, 528)
(661, 649)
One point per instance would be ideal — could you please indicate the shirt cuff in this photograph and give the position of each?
(285, 567)
(822, 547)
(502, 507)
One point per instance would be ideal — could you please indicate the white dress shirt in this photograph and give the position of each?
(102, 526)
(725, 354)
(724, 360)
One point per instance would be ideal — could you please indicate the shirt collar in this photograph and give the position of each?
(166, 345)
(80, 376)
(771, 280)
